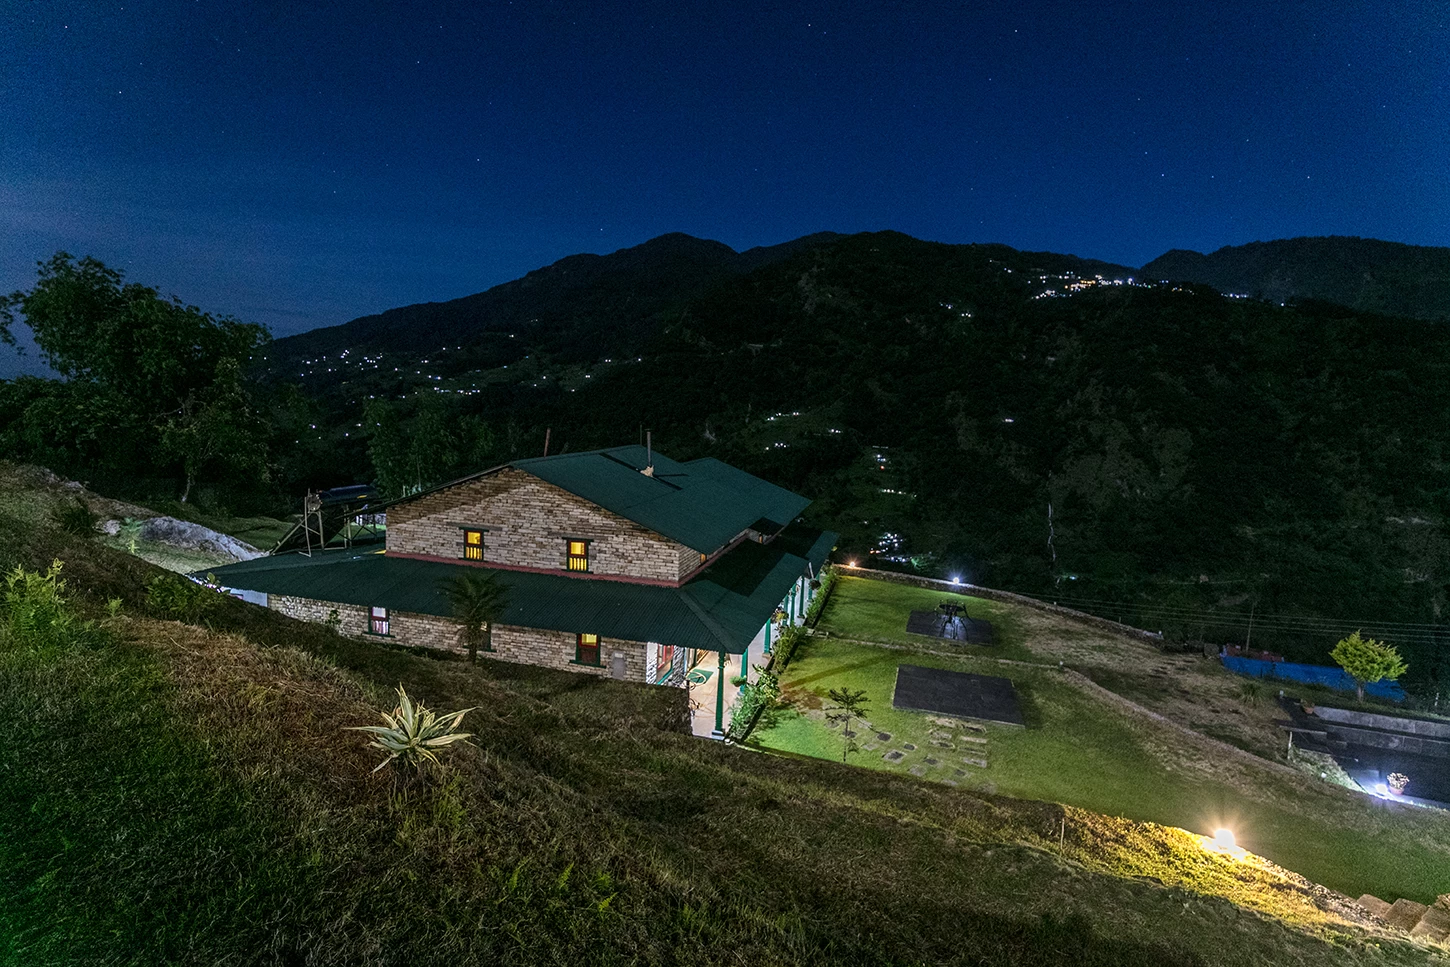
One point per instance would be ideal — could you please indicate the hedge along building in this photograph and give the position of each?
(617, 562)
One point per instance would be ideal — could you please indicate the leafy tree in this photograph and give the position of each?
(92, 328)
(430, 447)
(478, 599)
(143, 375)
(388, 447)
(1367, 661)
(847, 704)
(216, 426)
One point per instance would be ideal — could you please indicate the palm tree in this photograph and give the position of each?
(478, 600)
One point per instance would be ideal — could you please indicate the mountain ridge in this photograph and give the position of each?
(591, 303)
(1367, 274)
(631, 283)
(589, 300)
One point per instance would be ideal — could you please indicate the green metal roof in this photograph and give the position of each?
(704, 504)
(723, 607)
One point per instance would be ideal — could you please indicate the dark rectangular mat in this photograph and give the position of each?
(934, 624)
(959, 694)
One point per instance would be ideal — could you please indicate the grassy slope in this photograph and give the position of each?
(176, 794)
(1082, 750)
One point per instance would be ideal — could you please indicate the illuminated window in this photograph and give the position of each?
(578, 555)
(378, 620)
(473, 545)
(586, 651)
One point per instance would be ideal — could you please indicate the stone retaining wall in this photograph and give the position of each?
(1392, 723)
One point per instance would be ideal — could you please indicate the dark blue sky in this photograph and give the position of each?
(300, 164)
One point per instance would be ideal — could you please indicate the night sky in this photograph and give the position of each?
(300, 164)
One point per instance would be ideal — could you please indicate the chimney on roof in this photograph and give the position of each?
(649, 459)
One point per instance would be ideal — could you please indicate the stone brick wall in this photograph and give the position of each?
(529, 646)
(527, 523)
(555, 649)
(404, 627)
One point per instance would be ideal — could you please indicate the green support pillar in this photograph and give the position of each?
(792, 604)
(768, 625)
(720, 696)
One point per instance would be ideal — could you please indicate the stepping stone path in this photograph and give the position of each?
(947, 734)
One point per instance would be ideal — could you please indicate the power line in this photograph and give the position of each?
(1418, 632)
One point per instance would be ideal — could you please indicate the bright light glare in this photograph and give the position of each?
(956, 580)
(1224, 839)
(850, 563)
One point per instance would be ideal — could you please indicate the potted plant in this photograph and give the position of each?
(1397, 781)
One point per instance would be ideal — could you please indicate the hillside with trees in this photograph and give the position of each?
(1362, 273)
(1160, 453)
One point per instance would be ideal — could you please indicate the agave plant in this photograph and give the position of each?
(414, 733)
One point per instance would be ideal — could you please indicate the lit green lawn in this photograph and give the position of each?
(1079, 750)
(877, 611)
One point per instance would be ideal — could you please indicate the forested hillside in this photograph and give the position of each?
(1029, 421)
(1363, 273)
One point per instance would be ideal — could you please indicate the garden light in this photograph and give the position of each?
(956, 580)
(1223, 842)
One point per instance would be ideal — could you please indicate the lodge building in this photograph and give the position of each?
(617, 562)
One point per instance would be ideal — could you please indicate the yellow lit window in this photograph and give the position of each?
(473, 545)
(578, 555)
(586, 652)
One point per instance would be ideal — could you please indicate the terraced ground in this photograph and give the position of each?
(1156, 758)
(187, 793)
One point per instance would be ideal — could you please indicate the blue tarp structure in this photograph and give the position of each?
(1310, 674)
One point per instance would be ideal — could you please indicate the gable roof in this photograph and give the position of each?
(721, 608)
(703, 504)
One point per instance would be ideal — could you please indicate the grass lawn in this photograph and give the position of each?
(1080, 750)
(877, 611)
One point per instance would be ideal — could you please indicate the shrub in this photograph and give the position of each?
(414, 734)
(785, 647)
(35, 604)
(76, 518)
(760, 697)
(818, 601)
(1251, 692)
(169, 596)
(35, 608)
